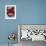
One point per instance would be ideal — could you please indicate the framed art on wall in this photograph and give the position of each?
(10, 11)
(31, 32)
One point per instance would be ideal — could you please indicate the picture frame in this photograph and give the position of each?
(10, 11)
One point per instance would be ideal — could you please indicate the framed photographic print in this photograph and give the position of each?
(10, 11)
(33, 32)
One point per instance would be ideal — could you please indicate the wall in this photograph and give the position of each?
(28, 12)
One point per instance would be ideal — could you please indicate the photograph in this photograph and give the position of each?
(28, 33)
(10, 11)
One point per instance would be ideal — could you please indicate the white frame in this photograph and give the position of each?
(6, 17)
(19, 33)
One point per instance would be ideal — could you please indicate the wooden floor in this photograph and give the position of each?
(9, 45)
(30, 43)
